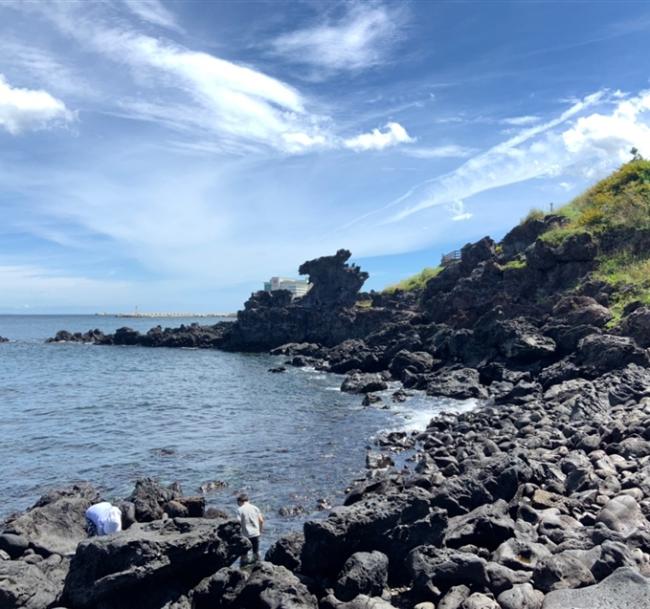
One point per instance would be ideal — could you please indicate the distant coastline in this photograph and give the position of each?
(164, 315)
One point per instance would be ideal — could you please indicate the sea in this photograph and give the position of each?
(109, 415)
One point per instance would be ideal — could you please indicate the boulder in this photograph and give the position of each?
(478, 600)
(273, 587)
(151, 563)
(149, 498)
(392, 523)
(561, 571)
(520, 554)
(458, 383)
(26, 586)
(601, 353)
(623, 589)
(363, 383)
(433, 568)
(637, 326)
(623, 515)
(521, 596)
(363, 573)
(287, 551)
(13, 545)
(220, 590)
(57, 521)
(453, 599)
(416, 362)
(487, 527)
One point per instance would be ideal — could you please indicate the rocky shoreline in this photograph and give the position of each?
(539, 499)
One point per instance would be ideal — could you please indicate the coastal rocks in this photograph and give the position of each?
(150, 563)
(487, 527)
(3, 339)
(287, 551)
(602, 353)
(458, 383)
(624, 589)
(637, 326)
(392, 524)
(14, 545)
(521, 596)
(334, 283)
(57, 521)
(623, 515)
(151, 500)
(416, 362)
(362, 573)
(363, 383)
(273, 587)
(26, 586)
(561, 571)
(434, 570)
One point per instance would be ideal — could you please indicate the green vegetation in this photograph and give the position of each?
(621, 200)
(517, 263)
(533, 214)
(416, 282)
(630, 275)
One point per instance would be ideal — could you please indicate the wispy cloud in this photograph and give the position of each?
(591, 144)
(521, 121)
(153, 11)
(458, 211)
(362, 38)
(29, 109)
(392, 135)
(439, 152)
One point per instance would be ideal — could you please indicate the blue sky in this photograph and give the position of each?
(175, 155)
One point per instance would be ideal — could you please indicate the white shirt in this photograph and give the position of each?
(106, 517)
(249, 517)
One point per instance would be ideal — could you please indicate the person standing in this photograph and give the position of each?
(252, 525)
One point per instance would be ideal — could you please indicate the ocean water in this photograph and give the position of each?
(108, 415)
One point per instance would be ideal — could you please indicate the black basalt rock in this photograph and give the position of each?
(334, 282)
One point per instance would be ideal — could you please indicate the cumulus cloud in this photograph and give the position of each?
(392, 135)
(362, 38)
(29, 109)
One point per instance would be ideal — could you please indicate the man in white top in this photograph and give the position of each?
(252, 525)
(103, 519)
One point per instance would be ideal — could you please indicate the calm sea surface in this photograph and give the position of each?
(109, 415)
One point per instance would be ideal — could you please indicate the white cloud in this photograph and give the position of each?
(521, 121)
(29, 109)
(392, 135)
(458, 211)
(439, 152)
(362, 38)
(153, 11)
(532, 153)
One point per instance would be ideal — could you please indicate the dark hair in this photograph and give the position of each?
(242, 497)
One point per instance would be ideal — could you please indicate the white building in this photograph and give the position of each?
(297, 287)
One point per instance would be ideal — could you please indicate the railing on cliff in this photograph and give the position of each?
(447, 259)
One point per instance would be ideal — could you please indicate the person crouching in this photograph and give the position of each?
(103, 518)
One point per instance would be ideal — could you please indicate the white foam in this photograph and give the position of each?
(417, 414)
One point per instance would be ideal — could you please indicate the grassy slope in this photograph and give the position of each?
(621, 200)
(415, 282)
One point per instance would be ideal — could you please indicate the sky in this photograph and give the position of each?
(174, 155)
